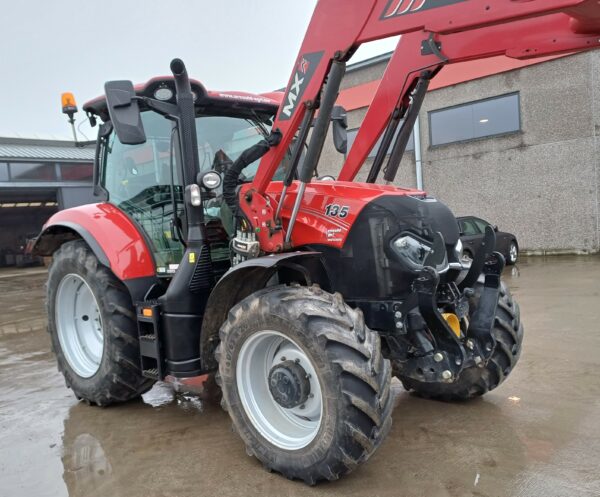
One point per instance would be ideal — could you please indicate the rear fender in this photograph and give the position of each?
(248, 277)
(110, 233)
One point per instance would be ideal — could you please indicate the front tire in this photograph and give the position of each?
(324, 349)
(93, 328)
(476, 381)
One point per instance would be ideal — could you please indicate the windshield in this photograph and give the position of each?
(231, 135)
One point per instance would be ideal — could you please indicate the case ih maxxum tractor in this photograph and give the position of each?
(218, 250)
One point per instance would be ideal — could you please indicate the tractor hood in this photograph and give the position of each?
(331, 210)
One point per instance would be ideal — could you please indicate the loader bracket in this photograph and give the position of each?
(482, 322)
(485, 251)
(447, 344)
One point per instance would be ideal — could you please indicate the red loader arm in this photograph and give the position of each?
(434, 33)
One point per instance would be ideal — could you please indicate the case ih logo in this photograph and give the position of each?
(303, 65)
(304, 71)
(397, 8)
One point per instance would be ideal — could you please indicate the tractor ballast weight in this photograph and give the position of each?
(301, 296)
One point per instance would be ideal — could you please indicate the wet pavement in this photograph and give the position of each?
(536, 435)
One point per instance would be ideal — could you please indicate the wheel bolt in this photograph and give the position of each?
(283, 358)
(397, 314)
(446, 375)
(438, 357)
(470, 344)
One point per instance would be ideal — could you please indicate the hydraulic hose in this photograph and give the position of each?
(248, 156)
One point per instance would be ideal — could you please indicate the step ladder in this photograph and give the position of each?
(151, 356)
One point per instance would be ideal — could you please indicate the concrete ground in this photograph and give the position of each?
(536, 435)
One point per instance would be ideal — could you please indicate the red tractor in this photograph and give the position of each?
(216, 252)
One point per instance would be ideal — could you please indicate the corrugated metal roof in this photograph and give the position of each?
(40, 152)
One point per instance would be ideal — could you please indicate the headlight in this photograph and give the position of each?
(412, 251)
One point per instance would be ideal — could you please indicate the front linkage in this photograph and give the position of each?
(445, 349)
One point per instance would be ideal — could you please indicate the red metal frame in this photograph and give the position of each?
(466, 30)
(117, 236)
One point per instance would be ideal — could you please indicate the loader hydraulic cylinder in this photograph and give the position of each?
(315, 148)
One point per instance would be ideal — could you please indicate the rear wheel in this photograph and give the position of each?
(304, 382)
(475, 381)
(93, 328)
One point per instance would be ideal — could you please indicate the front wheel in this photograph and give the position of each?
(304, 382)
(93, 328)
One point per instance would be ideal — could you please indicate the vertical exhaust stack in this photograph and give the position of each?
(182, 306)
(187, 121)
(188, 143)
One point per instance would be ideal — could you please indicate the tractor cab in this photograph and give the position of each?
(145, 180)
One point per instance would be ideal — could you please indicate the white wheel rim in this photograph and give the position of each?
(79, 325)
(513, 252)
(289, 429)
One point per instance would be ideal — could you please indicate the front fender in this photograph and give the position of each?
(110, 233)
(246, 278)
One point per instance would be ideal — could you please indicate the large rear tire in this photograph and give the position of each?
(93, 329)
(338, 411)
(476, 381)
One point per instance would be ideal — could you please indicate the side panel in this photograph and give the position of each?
(115, 234)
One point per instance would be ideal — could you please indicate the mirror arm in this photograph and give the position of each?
(163, 108)
(103, 132)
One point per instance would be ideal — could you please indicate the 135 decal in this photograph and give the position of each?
(335, 210)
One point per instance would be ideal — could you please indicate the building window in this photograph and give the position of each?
(409, 146)
(32, 171)
(76, 172)
(490, 117)
(3, 171)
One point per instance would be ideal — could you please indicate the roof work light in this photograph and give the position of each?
(69, 107)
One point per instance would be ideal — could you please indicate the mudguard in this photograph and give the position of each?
(245, 279)
(110, 233)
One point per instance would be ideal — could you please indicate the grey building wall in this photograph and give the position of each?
(540, 183)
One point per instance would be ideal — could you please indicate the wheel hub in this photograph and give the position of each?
(289, 384)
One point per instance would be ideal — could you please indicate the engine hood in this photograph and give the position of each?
(330, 210)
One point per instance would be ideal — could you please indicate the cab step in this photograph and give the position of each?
(151, 354)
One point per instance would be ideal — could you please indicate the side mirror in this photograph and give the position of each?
(340, 126)
(124, 112)
(495, 228)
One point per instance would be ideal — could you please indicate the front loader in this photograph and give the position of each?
(217, 250)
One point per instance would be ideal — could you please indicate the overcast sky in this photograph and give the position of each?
(51, 46)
